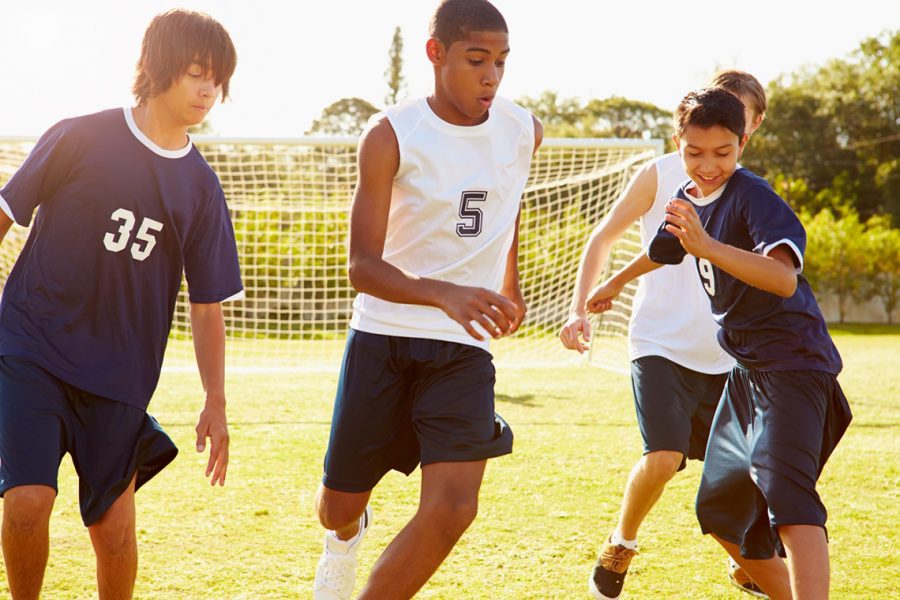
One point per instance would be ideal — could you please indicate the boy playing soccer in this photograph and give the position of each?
(433, 253)
(678, 368)
(782, 412)
(126, 204)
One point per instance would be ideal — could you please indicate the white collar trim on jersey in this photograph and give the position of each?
(458, 130)
(705, 199)
(135, 130)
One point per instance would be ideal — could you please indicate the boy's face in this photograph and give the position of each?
(468, 74)
(709, 155)
(191, 96)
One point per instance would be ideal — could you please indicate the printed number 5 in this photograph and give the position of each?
(116, 242)
(471, 215)
(707, 275)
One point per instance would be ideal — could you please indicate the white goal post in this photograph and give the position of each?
(289, 199)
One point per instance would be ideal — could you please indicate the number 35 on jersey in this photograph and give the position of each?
(145, 240)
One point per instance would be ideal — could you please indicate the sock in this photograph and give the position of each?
(617, 540)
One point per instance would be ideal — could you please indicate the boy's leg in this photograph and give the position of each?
(645, 485)
(115, 546)
(771, 574)
(448, 505)
(26, 538)
(340, 511)
(807, 555)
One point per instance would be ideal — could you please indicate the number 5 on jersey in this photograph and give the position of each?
(116, 242)
(471, 215)
(707, 275)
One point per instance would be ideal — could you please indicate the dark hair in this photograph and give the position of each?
(742, 85)
(173, 41)
(710, 107)
(454, 20)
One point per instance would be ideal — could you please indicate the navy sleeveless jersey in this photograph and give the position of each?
(763, 331)
(119, 219)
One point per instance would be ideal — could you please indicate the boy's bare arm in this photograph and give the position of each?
(634, 202)
(774, 273)
(5, 224)
(379, 159)
(208, 331)
(601, 297)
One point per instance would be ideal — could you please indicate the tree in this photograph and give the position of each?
(347, 116)
(835, 258)
(883, 264)
(837, 123)
(394, 74)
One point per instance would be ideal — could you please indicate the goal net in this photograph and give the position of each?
(289, 202)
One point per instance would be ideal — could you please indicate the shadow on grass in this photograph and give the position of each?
(521, 399)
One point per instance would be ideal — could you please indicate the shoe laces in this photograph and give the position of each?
(338, 573)
(616, 558)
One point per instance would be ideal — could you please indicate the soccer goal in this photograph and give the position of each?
(289, 201)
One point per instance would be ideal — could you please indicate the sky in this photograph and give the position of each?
(65, 58)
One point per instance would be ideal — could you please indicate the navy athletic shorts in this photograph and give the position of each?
(770, 439)
(675, 405)
(401, 401)
(42, 418)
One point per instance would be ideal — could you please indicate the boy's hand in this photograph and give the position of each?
(684, 223)
(576, 333)
(214, 425)
(495, 313)
(601, 297)
(514, 293)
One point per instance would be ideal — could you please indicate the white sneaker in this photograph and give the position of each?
(336, 573)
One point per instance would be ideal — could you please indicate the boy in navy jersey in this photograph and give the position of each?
(433, 255)
(782, 412)
(125, 205)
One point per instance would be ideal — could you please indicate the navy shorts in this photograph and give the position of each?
(401, 401)
(675, 405)
(770, 438)
(42, 418)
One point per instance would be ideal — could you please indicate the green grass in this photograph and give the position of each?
(544, 510)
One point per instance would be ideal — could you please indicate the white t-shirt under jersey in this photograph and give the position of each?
(453, 211)
(671, 316)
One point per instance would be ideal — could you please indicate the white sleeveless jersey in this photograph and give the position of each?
(453, 210)
(671, 316)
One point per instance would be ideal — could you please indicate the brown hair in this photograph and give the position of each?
(710, 107)
(742, 85)
(173, 42)
(454, 20)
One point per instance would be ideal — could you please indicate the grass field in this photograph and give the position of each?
(543, 510)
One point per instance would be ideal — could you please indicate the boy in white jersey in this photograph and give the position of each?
(678, 367)
(433, 253)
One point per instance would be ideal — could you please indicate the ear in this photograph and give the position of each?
(677, 141)
(435, 51)
(757, 121)
(742, 143)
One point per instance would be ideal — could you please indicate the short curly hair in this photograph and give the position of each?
(454, 20)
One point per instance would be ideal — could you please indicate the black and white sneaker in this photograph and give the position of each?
(609, 573)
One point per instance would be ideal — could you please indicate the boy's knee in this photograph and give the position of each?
(662, 465)
(337, 513)
(113, 537)
(27, 508)
(453, 515)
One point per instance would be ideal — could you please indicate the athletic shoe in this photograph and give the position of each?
(336, 573)
(739, 577)
(609, 572)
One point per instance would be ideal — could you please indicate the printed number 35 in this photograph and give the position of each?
(116, 242)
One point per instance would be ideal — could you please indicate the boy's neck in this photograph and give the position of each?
(447, 112)
(157, 125)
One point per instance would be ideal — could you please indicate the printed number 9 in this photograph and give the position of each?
(707, 275)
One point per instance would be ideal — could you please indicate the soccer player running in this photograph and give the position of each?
(433, 254)
(126, 204)
(678, 368)
(782, 411)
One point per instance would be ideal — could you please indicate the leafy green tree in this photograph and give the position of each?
(883, 264)
(347, 116)
(835, 258)
(394, 74)
(836, 124)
